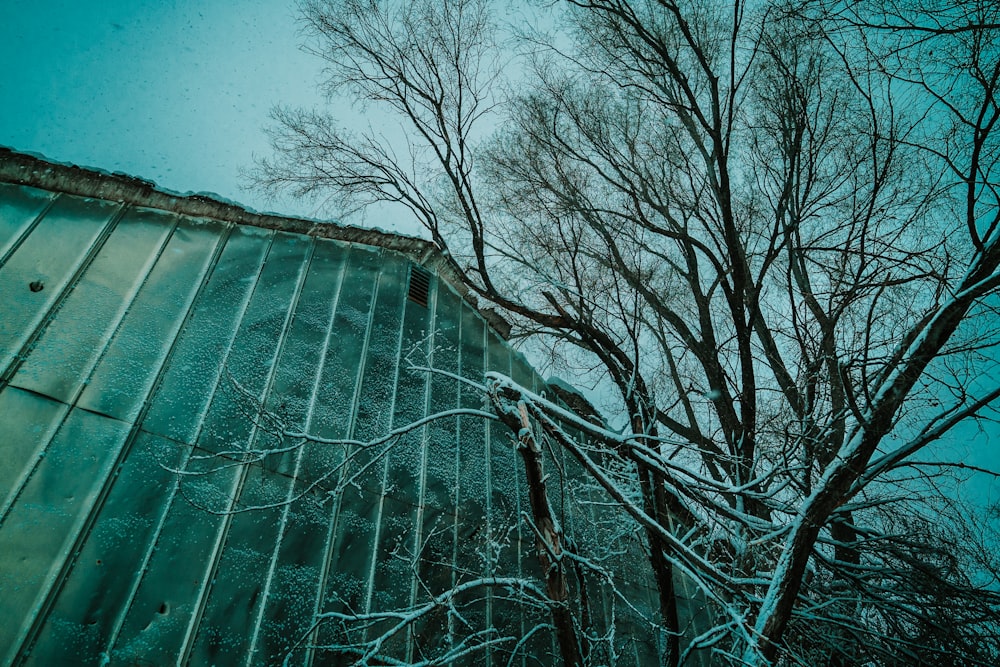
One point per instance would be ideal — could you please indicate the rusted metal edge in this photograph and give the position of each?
(23, 169)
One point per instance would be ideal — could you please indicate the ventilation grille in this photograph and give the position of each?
(420, 285)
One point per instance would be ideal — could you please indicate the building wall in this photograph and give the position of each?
(151, 514)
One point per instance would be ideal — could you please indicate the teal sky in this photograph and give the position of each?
(174, 91)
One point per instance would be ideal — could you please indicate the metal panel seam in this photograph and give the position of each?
(458, 464)
(120, 621)
(33, 339)
(95, 248)
(223, 533)
(352, 417)
(265, 593)
(385, 463)
(418, 522)
(99, 502)
(28, 231)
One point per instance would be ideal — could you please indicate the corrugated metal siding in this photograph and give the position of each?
(129, 393)
(144, 351)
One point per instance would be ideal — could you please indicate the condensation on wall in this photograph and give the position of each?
(151, 513)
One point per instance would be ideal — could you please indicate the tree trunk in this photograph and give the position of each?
(549, 544)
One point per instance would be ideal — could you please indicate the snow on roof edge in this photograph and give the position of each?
(34, 170)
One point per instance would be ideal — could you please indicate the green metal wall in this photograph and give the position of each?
(151, 339)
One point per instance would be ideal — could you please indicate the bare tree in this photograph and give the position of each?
(443, 623)
(775, 232)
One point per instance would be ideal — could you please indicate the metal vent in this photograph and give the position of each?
(420, 285)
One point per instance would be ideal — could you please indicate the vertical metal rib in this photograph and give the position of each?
(41, 616)
(88, 259)
(223, 531)
(431, 301)
(273, 563)
(113, 636)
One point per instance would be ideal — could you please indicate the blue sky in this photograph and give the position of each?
(174, 91)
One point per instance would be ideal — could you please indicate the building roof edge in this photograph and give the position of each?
(36, 171)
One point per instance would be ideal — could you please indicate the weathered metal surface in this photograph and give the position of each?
(140, 348)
